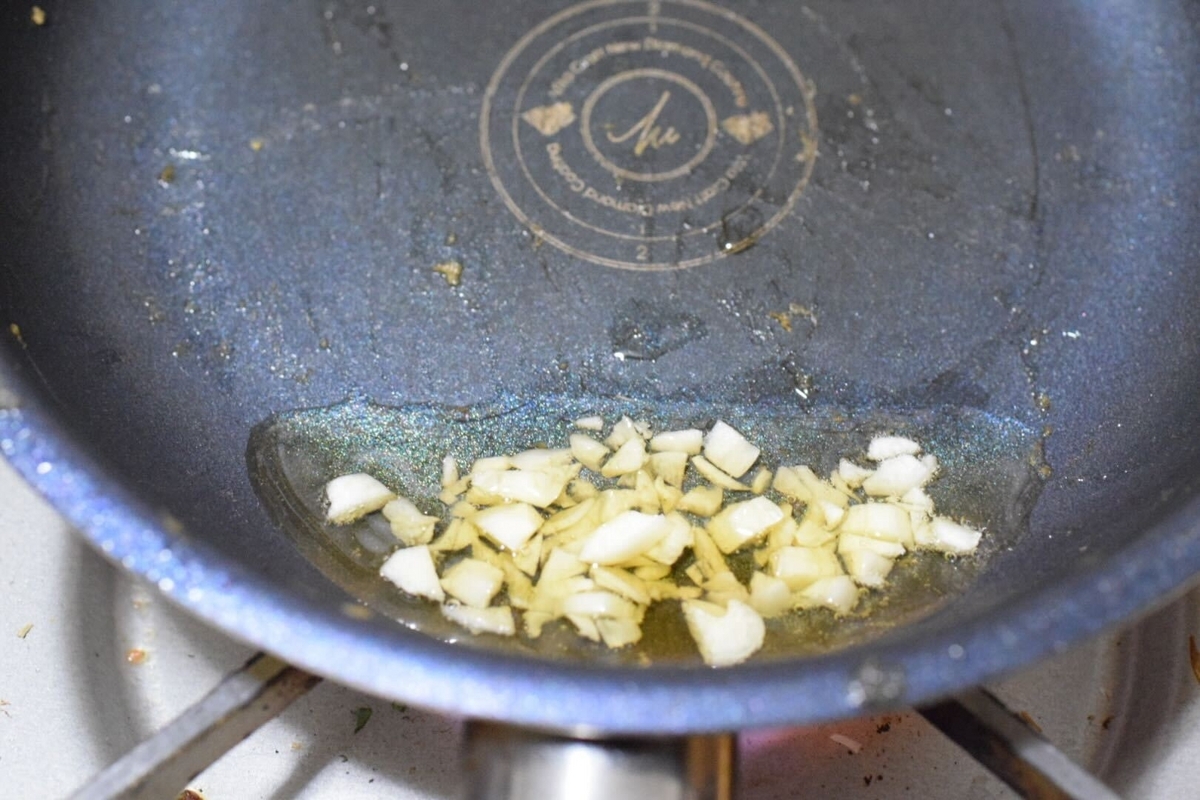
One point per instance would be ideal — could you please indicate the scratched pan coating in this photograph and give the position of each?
(215, 216)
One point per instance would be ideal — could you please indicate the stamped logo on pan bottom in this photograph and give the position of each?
(649, 135)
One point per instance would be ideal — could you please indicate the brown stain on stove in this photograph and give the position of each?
(136, 656)
(1194, 657)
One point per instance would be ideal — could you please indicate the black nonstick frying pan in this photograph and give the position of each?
(248, 244)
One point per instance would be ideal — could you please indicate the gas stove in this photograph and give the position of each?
(92, 662)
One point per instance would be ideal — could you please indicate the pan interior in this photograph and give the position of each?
(986, 230)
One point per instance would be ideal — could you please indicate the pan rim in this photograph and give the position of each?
(380, 658)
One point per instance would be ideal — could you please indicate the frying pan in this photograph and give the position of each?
(974, 222)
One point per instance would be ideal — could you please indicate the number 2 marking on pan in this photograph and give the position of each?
(643, 252)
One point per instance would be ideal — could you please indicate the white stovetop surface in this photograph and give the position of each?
(1127, 706)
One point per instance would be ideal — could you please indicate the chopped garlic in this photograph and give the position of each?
(761, 480)
(852, 473)
(413, 570)
(880, 520)
(599, 604)
(831, 513)
(598, 555)
(621, 433)
(450, 474)
(678, 538)
(799, 567)
(717, 476)
(885, 447)
(585, 626)
(354, 496)
(652, 572)
(588, 451)
(729, 450)
(619, 632)
(626, 535)
(849, 542)
(671, 466)
(703, 501)
(948, 537)
(529, 557)
(498, 620)
(491, 463)
(867, 567)
(629, 458)
(839, 593)
(813, 530)
(689, 441)
(561, 566)
(668, 496)
(621, 582)
(472, 581)
(769, 596)
(724, 638)
(509, 525)
(408, 524)
(541, 458)
(916, 500)
(802, 485)
(536, 487)
(741, 523)
(614, 502)
(562, 520)
(723, 587)
(897, 475)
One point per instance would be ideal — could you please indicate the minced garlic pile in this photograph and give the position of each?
(596, 532)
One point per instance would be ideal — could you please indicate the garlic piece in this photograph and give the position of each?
(728, 638)
(352, 497)
(717, 476)
(799, 567)
(852, 473)
(741, 523)
(671, 466)
(880, 520)
(885, 447)
(948, 536)
(413, 570)
(769, 596)
(703, 501)
(898, 475)
(629, 458)
(838, 593)
(629, 534)
(498, 620)
(729, 450)
(509, 525)
(541, 458)
(537, 487)
(867, 567)
(407, 522)
(622, 432)
(678, 538)
(472, 581)
(689, 441)
(588, 451)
